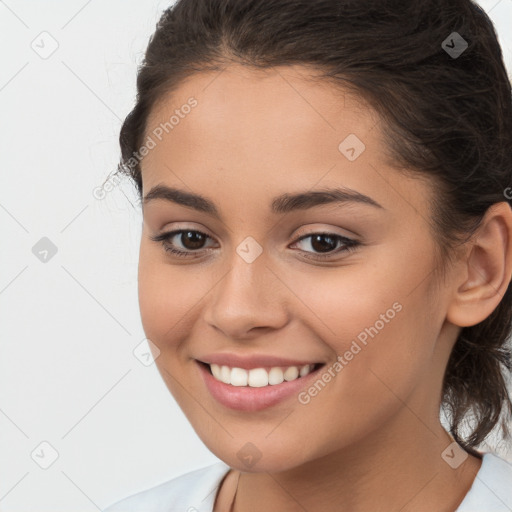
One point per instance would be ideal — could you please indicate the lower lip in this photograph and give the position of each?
(244, 398)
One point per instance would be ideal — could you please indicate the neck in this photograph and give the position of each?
(378, 473)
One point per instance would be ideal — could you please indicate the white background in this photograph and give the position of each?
(68, 375)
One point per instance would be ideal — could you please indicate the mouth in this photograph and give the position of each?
(255, 389)
(258, 377)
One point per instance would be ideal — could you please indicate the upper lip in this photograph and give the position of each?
(249, 362)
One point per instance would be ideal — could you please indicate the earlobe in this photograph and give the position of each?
(486, 270)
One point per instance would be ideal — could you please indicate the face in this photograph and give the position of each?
(344, 281)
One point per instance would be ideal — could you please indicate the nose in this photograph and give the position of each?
(248, 300)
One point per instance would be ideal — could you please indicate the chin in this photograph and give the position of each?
(252, 457)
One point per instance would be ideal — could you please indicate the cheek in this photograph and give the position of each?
(169, 295)
(380, 323)
(348, 304)
(380, 362)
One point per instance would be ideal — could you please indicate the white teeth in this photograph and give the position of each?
(305, 370)
(216, 371)
(238, 377)
(225, 374)
(258, 377)
(291, 373)
(275, 376)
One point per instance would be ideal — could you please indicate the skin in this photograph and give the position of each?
(371, 439)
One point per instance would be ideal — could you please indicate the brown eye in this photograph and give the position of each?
(191, 241)
(325, 245)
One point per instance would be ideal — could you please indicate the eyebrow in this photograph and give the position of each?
(280, 205)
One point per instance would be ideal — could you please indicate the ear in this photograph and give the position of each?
(486, 269)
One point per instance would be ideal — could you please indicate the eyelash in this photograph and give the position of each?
(350, 245)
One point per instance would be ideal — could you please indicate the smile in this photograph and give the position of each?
(254, 389)
(259, 377)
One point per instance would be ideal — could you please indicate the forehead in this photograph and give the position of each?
(240, 100)
(279, 129)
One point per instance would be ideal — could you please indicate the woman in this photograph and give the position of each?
(326, 253)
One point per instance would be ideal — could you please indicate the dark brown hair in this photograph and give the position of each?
(448, 116)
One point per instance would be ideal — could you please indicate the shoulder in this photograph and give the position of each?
(194, 491)
(492, 488)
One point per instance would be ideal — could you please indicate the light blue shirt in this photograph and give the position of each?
(196, 491)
